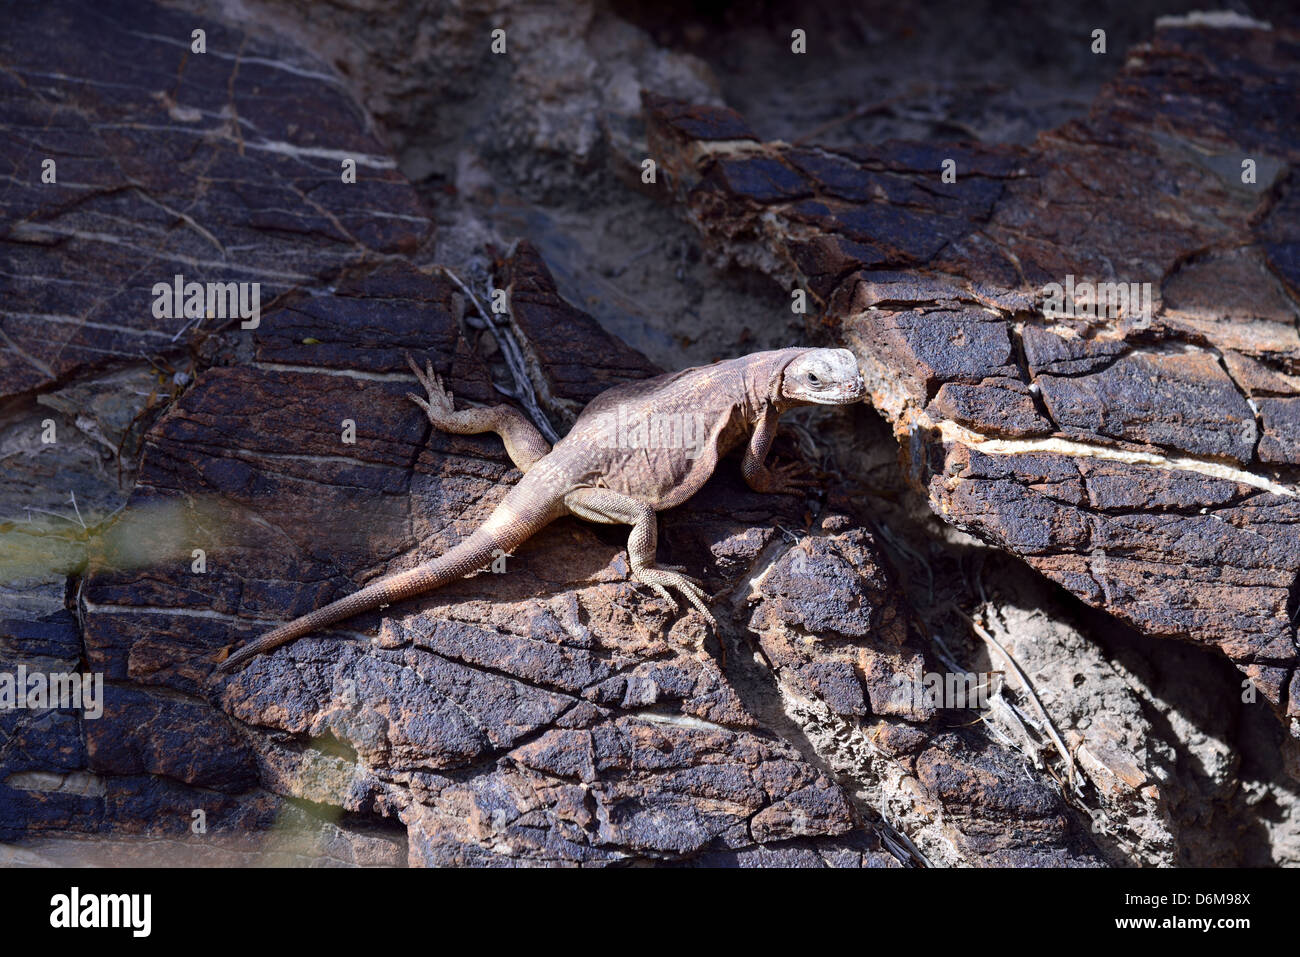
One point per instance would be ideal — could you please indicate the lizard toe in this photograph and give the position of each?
(698, 602)
(663, 593)
(680, 572)
(415, 367)
(662, 578)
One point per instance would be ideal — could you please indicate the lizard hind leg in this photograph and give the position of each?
(611, 508)
(524, 443)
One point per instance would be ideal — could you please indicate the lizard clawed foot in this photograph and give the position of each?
(789, 478)
(663, 577)
(439, 406)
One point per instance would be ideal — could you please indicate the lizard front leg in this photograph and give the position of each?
(523, 442)
(610, 508)
(764, 478)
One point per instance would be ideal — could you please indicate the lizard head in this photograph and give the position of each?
(823, 377)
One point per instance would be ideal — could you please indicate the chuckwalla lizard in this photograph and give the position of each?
(593, 478)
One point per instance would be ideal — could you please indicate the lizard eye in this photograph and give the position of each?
(813, 380)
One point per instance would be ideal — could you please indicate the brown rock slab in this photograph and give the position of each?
(187, 168)
(1143, 458)
(554, 713)
(830, 623)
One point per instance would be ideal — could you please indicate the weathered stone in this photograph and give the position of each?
(1183, 402)
(1144, 460)
(555, 713)
(187, 168)
(483, 702)
(997, 406)
(572, 358)
(830, 623)
(1280, 419)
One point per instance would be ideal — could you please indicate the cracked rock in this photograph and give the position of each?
(186, 169)
(1144, 460)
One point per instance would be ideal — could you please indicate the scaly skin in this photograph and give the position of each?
(607, 471)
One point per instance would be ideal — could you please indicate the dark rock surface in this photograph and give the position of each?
(1144, 462)
(550, 714)
(553, 713)
(170, 162)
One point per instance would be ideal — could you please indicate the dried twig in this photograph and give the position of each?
(29, 509)
(523, 387)
(73, 496)
(898, 843)
(1047, 725)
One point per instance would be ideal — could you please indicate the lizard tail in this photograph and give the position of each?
(504, 531)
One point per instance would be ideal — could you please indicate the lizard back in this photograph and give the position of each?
(659, 440)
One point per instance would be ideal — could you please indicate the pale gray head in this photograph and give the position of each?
(823, 377)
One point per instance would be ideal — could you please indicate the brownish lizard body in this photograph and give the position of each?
(636, 449)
